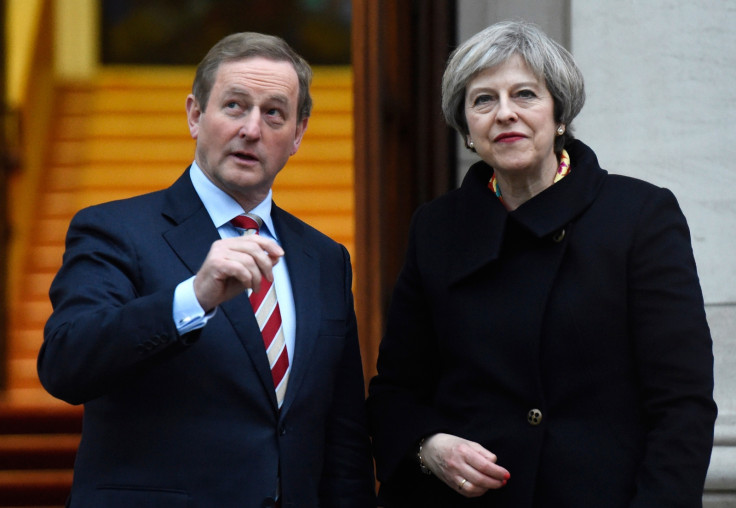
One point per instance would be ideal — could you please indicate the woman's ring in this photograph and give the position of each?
(462, 484)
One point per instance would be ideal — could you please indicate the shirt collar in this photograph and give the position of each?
(221, 207)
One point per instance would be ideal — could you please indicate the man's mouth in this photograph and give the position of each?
(244, 156)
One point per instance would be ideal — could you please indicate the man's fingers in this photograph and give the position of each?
(264, 251)
(233, 265)
(249, 243)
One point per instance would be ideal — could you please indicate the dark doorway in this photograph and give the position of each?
(179, 32)
(404, 152)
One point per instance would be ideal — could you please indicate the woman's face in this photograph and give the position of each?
(510, 116)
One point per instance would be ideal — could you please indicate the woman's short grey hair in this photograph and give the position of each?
(497, 44)
(243, 45)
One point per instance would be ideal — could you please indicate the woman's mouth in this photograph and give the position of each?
(508, 137)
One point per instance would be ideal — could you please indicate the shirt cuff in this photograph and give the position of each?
(188, 314)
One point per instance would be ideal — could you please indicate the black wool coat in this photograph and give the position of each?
(568, 337)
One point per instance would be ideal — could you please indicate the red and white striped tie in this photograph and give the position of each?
(266, 308)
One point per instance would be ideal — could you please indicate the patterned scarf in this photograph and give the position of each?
(562, 170)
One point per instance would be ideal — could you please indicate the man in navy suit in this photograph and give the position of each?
(153, 330)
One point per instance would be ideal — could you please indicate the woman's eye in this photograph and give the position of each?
(526, 94)
(482, 99)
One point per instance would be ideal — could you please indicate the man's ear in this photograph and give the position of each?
(194, 113)
(301, 128)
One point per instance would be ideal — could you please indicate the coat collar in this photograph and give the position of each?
(480, 219)
(479, 223)
(560, 204)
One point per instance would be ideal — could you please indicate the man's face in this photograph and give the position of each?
(249, 128)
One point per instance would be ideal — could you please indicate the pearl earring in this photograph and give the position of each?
(471, 144)
(560, 130)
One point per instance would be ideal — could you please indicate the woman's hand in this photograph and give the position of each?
(464, 465)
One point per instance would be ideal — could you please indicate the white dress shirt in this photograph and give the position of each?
(188, 314)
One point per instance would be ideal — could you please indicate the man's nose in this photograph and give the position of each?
(251, 127)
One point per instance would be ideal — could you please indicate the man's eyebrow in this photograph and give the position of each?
(237, 91)
(278, 97)
(241, 92)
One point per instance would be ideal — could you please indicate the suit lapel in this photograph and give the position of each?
(238, 312)
(303, 265)
(193, 232)
(190, 238)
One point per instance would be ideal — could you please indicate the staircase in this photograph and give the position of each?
(123, 135)
(37, 448)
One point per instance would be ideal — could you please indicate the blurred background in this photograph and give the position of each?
(93, 95)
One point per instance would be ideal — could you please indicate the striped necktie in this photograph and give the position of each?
(266, 308)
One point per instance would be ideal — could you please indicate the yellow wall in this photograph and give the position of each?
(75, 37)
(21, 27)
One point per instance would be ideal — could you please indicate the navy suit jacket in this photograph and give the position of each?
(192, 421)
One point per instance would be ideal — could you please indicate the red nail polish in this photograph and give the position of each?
(507, 476)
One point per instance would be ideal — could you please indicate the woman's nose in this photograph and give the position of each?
(506, 110)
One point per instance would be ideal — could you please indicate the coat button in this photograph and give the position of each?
(534, 417)
(559, 236)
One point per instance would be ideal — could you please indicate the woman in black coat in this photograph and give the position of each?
(546, 344)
